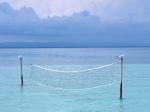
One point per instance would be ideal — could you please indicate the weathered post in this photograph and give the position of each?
(121, 80)
(21, 74)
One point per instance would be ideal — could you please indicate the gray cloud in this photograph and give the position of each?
(108, 10)
(25, 26)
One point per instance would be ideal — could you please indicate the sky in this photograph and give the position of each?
(107, 10)
(97, 21)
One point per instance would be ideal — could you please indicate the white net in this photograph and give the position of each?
(75, 77)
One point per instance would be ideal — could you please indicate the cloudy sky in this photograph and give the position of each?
(107, 10)
(82, 20)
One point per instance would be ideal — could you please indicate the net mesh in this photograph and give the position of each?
(75, 77)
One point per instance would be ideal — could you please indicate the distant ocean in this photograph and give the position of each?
(74, 55)
(37, 98)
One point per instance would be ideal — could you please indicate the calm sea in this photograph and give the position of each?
(38, 98)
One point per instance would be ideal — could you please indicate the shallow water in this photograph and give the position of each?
(38, 98)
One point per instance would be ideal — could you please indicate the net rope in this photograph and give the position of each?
(84, 89)
(54, 70)
(73, 79)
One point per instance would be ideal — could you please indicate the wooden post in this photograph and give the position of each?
(20, 57)
(121, 80)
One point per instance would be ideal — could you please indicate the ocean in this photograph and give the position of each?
(46, 97)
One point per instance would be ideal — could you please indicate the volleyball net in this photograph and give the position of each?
(75, 77)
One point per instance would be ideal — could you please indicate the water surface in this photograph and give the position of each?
(37, 98)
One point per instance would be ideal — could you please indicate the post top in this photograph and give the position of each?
(121, 56)
(19, 56)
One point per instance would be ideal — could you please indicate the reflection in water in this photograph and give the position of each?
(121, 105)
(21, 89)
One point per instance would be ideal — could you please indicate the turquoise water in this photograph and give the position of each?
(36, 98)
